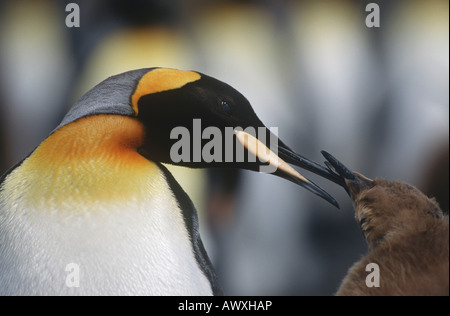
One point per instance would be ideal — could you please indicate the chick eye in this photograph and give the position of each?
(226, 107)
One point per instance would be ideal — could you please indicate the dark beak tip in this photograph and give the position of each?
(336, 204)
(338, 166)
(320, 192)
(291, 157)
(330, 200)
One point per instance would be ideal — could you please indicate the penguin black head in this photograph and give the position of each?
(382, 206)
(194, 120)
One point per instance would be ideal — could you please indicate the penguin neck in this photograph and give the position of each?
(98, 139)
(92, 159)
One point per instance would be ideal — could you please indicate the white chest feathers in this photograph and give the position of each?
(135, 247)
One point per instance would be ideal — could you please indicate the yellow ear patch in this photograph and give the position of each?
(161, 79)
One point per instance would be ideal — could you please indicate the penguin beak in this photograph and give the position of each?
(282, 169)
(352, 182)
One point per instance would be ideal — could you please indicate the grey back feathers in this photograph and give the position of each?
(111, 96)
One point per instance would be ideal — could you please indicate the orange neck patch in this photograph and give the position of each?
(159, 80)
(92, 159)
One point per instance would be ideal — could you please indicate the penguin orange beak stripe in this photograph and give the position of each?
(283, 169)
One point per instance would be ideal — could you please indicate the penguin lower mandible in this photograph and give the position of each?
(92, 211)
(407, 234)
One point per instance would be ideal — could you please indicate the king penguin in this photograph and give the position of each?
(92, 210)
(407, 234)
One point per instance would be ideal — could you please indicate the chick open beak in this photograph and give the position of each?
(352, 182)
(283, 169)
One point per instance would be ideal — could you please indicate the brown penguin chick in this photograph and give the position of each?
(407, 235)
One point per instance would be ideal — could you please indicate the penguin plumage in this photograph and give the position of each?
(95, 196)
(407, 235)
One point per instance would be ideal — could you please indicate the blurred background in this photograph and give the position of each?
(376, 98)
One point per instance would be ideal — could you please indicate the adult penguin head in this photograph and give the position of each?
(197, 121)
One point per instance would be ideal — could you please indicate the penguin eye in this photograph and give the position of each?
(226, 107)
